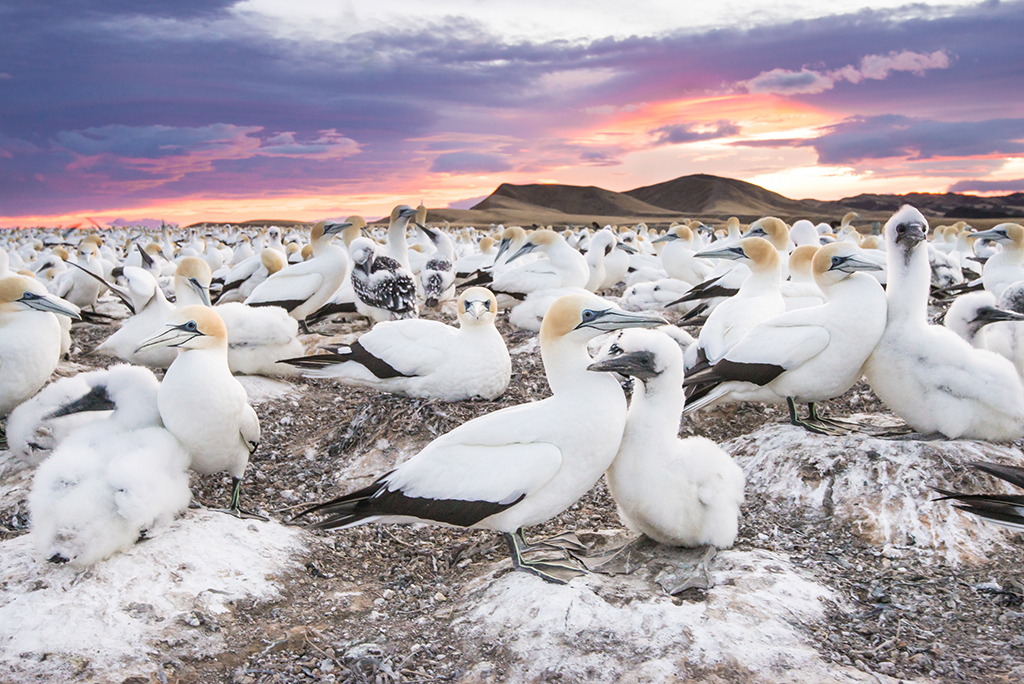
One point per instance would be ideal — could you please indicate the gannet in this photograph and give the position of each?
(800, 291)
(112, 480)
(521, 465)
(30, 434)
(29, 338)
(142, 295)
(678, 256)
(421, 358)
(302, 288)
(1006, 266)
(925, 373)
(617, 264)
(200, 402)
(243, 278)
(77, 287)
(661, 294)
(1002, 509)
(970, 313)
(398, 245)
(564, 267)
(805, 355)
(759, 298)
(466, 265)
(437, 277)
(385, 291)
(680, 492)
(600, 247)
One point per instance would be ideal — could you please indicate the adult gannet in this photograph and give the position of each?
(564, 267)
(521, 465)
(243, 278)
(927, 374)
(112, 480)
(800, 291)
(680, 492)
(1002, 509)
(805, 355)
(29, 338)
(1006, 266)
(200, 402)
(759, 298)
(385, 291)
(678, 256)
(301, 289)
(77, 287)
(421, 358)
(142, 295)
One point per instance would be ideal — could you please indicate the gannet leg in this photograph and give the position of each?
(812, 424)
(3, 437)
(555, 571)
(233, 507)
(566, 541)
(846, 425)
(305, 328)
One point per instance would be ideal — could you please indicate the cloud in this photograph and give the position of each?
(676, 134)
(873, 67)
(988, 186)
(469, 163)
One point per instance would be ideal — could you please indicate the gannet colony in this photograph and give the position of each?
(404, 451)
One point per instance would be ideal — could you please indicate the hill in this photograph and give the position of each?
(706, 194)
(570, 199)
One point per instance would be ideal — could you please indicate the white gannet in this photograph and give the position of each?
(759, 298)
(678, 256)
(300, 289)
(398, 244)
(563, 267)
(30, 434)
(805, 355)
(521, 465)
(77, 287)
(421, 358)
(800, 291)
(927, 374)
(1006, 266)
(681, 492)
(142, 295)
(385, 291)
(970, 313)
(30, 338)
(598, 249)
(112, 480)
(243, 278)
(200, 402)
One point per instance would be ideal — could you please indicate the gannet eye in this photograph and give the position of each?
(191, 326)
(836, 261)
(615, 350)
(588, 315)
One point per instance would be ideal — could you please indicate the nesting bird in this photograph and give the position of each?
(384, 289)
(521, 465)
(680, 492)
(421, 358)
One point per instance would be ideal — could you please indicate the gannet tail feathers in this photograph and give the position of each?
(355, 353)
(1003, 509)
(377, 502)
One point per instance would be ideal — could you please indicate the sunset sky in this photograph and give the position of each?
(189, 110)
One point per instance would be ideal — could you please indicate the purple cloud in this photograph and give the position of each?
(692, 132)
(988, 186)
(469, 162)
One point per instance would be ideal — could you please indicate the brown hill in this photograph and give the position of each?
(702, 193)
(570, 199)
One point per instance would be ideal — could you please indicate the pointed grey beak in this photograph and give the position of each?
(911, 233)
(170, 336)
(990, 314)
(477, 308)
(406, 213)
(51, 304)
(616, 319)
(200, 290)
(502, 247)
(335, 228)
(625, 248)
(665, 238)
(991, 234)
(850, 264)
(96, 400)
(638, 364)
(525, 249)
(735, 253)
(147, 261)
(429, 232)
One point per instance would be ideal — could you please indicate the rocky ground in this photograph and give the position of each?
(419, 604)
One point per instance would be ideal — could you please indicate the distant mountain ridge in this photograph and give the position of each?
(705, 194)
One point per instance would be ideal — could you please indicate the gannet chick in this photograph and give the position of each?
(1002, 509)
(521, 465)
(805, 355)
(300, 289)
(385, 291)
(113, 480)
(421, 358)
(969, 313)
(398, 244)
(200, 402)
(680, 492)
(31, 434)
(925, 373)
(30, 338)
(437, 277)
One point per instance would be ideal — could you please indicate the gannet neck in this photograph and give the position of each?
(565, 364)
(909, 279)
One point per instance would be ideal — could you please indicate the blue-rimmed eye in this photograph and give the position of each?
(836, 261)
(589, 315)
(191, 326)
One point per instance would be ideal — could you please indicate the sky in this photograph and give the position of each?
(189, 110)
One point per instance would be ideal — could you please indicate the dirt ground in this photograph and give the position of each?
(375, 603)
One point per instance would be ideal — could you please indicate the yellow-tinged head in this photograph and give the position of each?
(477, 305)
(21, 293)
(772, 229)
(61, 252)
(190, 327)
(837, 261)
(402, 211)
(194, 267)
(1005, 233)
(486, 244)
(585, 316)
(800, 260)
(273, 260)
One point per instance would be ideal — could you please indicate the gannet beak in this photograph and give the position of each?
(502, 247)
(171, 336)
(477, 308)
(991, 234)
(51, 304)
(625, 248)
(734, 253)
(665, 238)
(432, 234)
(146, 259)
(200, 290)
(850, 264)
(525, 249)
(335, 228)
(407, 212)
(910, 233)
(616, 319)
(990, 314)
(638, 364)
(96, 400)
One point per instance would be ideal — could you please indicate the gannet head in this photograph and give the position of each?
(272, 260)
(679, 231)
(87, 250)
(190, 327)
(773, 229)
(800, 260)
(477, 306)
(193, 273)
(641, 354)
(132, 389)
(354, 229)
(362, 251)
(837, 261)
(403, 211)
(509, 236)
(539, 239)
(273, 234)
(970, 312)
(21, 293)
(486, 244)
(907, 228)
(758, 251)
(1004, 233)
(583, 317)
